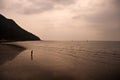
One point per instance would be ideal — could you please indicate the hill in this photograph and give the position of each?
(11, 31)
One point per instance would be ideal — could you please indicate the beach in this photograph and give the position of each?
(60, 60)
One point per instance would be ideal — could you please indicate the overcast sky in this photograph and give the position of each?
(66, 19)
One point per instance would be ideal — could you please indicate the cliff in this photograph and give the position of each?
(10, 31)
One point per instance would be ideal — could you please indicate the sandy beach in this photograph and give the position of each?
(53, 61)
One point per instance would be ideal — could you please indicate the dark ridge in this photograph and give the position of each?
(10, 31)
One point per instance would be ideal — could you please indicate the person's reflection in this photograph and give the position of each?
(31, 55)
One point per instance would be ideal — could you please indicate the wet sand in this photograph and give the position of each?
(9, 52)
(50, 63)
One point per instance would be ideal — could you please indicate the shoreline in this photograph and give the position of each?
(14, 45)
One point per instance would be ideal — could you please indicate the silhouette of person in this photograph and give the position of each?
(31, 55)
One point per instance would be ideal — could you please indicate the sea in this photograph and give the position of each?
(60, 60)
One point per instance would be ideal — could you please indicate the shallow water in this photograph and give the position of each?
(62, 60)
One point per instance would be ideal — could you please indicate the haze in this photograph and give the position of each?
(66, 19)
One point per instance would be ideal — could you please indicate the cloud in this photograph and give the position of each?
(36, 6)
(1, 4)
(53, 2)
(64, 2)
(116, 2)
(106, 12)
(103, 16)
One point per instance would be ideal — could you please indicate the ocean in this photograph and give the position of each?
(60, 60)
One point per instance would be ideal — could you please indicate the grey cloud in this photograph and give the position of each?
(116, 2)
(44, 5)
(53, 2)
(64, 2)
(1, 4)
(105, 19)
(34, 6)
(37, 8)
(104, 15)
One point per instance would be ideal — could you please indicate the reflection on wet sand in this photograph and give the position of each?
(9, 52)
